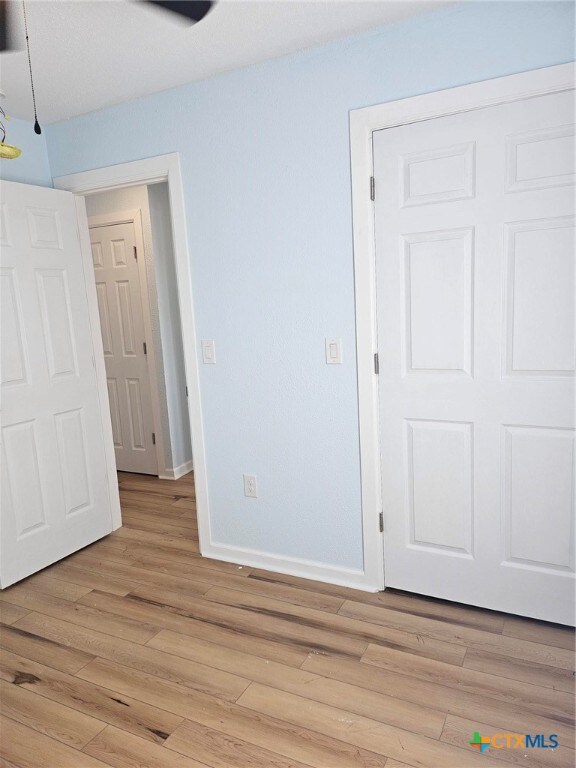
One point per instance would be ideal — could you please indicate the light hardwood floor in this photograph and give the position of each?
(137, 652)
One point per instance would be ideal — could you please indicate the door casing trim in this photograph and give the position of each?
(153, 170)
(363, 122)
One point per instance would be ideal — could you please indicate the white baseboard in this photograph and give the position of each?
(173, 473)
(304, 569)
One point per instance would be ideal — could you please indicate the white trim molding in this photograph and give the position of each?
(363, 123)
(154, 170)
(174, 473)
(292, 566)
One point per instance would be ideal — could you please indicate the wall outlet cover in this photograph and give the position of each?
(250, 486)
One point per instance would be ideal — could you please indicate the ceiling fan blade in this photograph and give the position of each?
(193, 10)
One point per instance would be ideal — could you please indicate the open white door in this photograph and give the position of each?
(59, 491)
(475, 267)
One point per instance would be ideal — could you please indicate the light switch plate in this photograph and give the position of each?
(208, 352)
(333, 350)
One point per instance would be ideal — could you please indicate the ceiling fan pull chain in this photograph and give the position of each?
(2, 128)
(37, 128)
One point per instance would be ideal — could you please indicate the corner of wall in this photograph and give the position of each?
(33, 165)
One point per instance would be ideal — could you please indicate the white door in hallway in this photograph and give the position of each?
(57, 491)
(120, 301)
(474, 224)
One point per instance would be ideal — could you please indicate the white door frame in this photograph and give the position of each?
(363, 122)
(135, 217)
(152, 170)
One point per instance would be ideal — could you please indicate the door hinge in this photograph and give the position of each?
(135, 253)
(144, 348)
(376, 363)
(153, 438)
(186, 391)
(372, 188)
(381, 521)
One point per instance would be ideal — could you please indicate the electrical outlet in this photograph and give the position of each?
(250, 486)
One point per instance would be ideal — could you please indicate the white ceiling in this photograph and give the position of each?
(89, 54)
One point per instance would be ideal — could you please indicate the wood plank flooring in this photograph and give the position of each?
(138, 653)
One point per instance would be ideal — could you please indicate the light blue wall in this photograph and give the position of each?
(32, 166)
(266, 169)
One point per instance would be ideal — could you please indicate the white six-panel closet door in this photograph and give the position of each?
(474, 223)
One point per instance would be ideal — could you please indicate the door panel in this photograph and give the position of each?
(55, 484)
(538, 472)
(439, 463)
(438, 301)
(540, 267)
(57, 322)
(72, 440)
(14, 364)
(21, 450)
(123, 337)
(475, 278)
